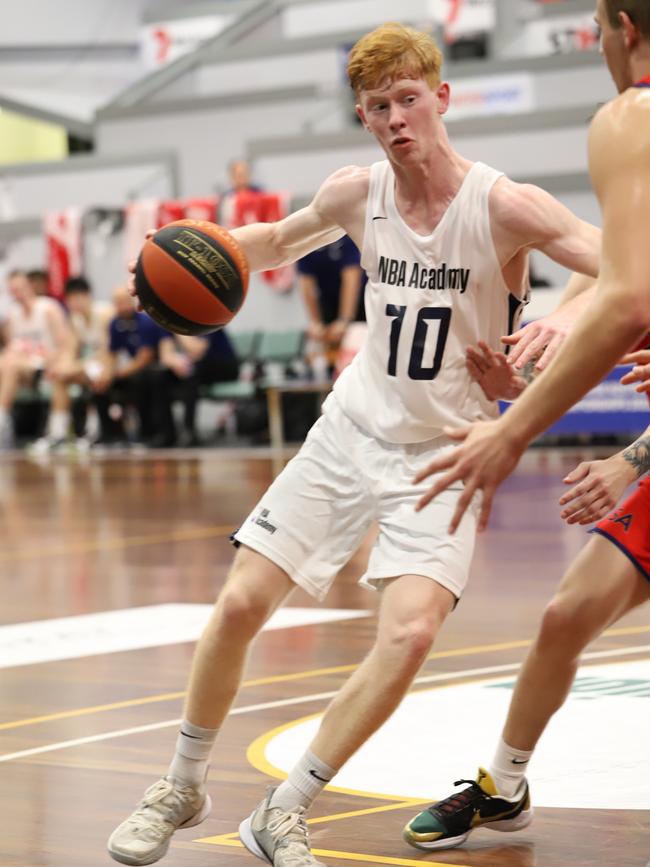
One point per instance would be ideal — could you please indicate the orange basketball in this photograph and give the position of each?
(191, 277)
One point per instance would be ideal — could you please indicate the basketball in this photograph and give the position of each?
(191, 277)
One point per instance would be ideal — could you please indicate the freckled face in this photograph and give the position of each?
(404, 116)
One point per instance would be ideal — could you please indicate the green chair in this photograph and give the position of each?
(280, 346)
(245, 345)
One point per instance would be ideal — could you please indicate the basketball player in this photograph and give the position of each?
(611, 576)
(444, 242)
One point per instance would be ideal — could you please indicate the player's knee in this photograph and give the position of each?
(561, 623)
(241, 611)
(246, 601)
(412, 640)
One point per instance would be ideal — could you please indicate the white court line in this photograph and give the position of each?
(85, 635)
(120, 733)
(251, 708)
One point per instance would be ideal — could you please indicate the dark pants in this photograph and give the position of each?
(187, 389)
(142, 391)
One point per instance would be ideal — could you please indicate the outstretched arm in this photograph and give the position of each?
(340, 199)
(616, 320)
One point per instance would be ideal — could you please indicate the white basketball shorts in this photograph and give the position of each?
(316, 513)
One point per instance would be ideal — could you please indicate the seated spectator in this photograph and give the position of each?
(331, 281)
(90, 321)
(86, 360)
(129, 372)
(38, 336)
(39, 280)
(191, 362)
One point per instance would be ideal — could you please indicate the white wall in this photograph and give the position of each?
(33, 194)
(68, 22)
(207, 140)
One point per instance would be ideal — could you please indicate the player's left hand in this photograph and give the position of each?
(485, 458)
(640, 372)
(600, 485)
(493, 373)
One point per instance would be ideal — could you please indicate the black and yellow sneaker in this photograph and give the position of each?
(449, 823)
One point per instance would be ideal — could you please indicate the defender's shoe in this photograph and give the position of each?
(167, 806)
(449, 823)
(278, 837)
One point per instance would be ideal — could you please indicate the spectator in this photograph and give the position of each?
(86, 360)
(239, 173)
(129, 375)
(191, 362)
(331, 281)
(39, 281)
(38, 336)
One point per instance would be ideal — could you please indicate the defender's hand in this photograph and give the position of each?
(493, 373)
(482, 462)
(640, 372)
(542, 338)
(600, 486)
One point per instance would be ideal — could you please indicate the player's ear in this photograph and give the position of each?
(361, 115)
(442, 96)
(630, 31)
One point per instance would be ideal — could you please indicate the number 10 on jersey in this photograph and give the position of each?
(425, 316)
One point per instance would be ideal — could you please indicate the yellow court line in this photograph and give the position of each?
(343, 856)
(84, 711)
(256, 756)
(233, 840)
(286, 678)
(256, 752)
(89, 545)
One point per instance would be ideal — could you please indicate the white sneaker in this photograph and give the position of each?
(145, 836)
(48, 445)
(6, 437)
(278, 837)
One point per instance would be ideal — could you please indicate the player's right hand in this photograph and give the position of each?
(131, 268)
(484, 458)
(540, 340)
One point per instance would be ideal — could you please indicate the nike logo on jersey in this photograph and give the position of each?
(322, 779)
(379, 218)
(398, 272)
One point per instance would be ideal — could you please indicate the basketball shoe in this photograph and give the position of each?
(449, 823)
(278, 837)
(167, 806)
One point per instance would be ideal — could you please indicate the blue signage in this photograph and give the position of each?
(609, 408)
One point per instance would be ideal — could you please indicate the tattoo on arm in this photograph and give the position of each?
(528, 372)
(638, 454)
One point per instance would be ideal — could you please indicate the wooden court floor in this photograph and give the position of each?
(82, 736)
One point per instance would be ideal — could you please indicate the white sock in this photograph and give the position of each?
(508, 768)
(193, 747)
(59, 424)
(306, 781)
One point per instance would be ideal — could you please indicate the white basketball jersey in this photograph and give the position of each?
(33, 329)
(427, 299)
